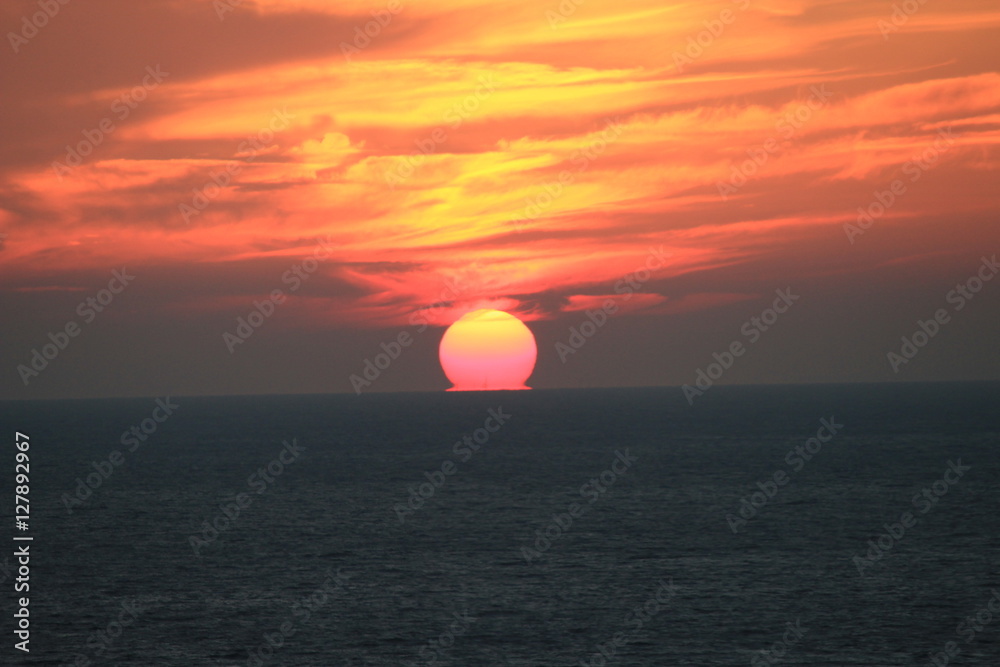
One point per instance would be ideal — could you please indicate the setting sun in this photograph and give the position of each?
(488, 349)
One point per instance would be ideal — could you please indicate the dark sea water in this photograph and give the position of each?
(322, 566)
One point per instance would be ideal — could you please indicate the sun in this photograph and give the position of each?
(488, 349)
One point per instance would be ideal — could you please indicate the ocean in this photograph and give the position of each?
(805, 525)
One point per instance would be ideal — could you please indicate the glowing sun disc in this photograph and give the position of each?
(488, 349)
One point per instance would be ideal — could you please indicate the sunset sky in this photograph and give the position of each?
(522, 156)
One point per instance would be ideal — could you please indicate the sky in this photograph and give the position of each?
(356, 171)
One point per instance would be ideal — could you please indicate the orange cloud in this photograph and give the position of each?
(528, 153)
